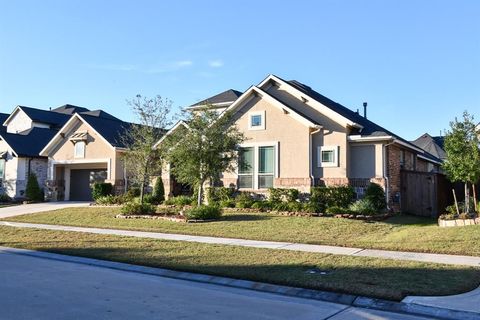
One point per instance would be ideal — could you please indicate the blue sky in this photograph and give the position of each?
(417, 63)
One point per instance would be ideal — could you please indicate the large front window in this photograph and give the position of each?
(266, 163)
(245, 168)
(256, 167)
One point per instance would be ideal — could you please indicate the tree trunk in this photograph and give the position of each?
(467, 198)
(144, 181)
(455, 199)
(475, 197)
(200, 193)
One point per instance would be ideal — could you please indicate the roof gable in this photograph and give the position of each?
(224, 98)
(29, 144)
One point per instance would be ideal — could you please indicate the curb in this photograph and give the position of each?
(340, 298)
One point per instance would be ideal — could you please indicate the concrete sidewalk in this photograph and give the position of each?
(12, 211)
(384, 254)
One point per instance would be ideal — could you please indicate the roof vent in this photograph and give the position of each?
(365, 110)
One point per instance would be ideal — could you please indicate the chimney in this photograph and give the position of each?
(365, 110)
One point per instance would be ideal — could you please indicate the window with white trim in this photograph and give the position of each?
(266, 166)
(256, 120)
(245, 168)
(327, 156)
(79, 151)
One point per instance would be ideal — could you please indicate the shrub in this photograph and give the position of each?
(180, 201)
(295, 206)
(281, 195)
(4, 197)
(158, 193)
(313, 207)
(217, 194)
(227, 203)
(243, 200)
(133, 192)
(338, 210)
(109, 200)
(33, 191)
(341, 196)
(149, 198)
(132, 208)
(203, 213)
(280, 206)
(262, 205)
(101, 189)
(364, 206)
(376, 195)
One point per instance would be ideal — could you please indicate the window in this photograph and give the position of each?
(245, 168)
(256, 120)
(2, 169)
(327, 156)
(402, 158)
(266, 164)
(79, 149)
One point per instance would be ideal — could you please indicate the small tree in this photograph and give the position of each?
(33, 192)
(204, 149)
(141, 159)
(159, 190)
(463, 154)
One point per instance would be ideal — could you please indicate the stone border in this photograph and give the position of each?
(174, 218)
(340, 298)
(458, 222)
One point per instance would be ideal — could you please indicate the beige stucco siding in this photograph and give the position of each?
(96, 149)
(291, 137)
(19, 122)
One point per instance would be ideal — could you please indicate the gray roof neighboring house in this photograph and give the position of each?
(30, 143)
(108, 127)
(219, 99)
(432, 145)
(70, 109)
(55, 119)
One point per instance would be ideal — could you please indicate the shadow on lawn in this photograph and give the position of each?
(387, 281)
(407, 219)
(244, 217)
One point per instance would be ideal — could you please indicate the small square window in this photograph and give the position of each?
(256, 120)
(327, 156)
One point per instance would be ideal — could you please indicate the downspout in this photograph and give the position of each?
(310, 145)
(385, 175)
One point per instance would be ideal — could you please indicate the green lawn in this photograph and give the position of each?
(379, 278)
(405, 233)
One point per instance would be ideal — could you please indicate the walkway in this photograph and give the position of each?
(359, 252)
(12, 211)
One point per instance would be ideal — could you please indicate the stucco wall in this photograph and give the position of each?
(19, 122)
(95, 149)
(291, 137)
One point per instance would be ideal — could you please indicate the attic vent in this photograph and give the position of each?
(305, 100)
(79, 136)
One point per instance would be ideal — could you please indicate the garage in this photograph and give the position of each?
(81, 181)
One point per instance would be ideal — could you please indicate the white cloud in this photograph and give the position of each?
(215, 63)
(183, 63)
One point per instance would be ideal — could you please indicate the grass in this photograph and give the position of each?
(402, 233)
(380, 278)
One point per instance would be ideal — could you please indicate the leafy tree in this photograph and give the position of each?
(141, 159)
(203, 148)
(463, 154)
(33, 191)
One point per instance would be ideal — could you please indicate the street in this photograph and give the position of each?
(38, 288)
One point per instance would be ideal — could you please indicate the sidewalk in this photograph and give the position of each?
(360, 252)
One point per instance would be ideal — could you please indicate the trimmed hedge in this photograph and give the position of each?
(203, 213)
(283, 195)
(325, 197)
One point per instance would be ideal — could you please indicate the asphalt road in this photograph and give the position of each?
(38, 288)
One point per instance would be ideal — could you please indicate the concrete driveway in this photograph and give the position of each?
(19, 210)
(38, 288)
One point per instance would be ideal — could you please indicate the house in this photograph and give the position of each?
(298, 138)
(432, 145)
(23, 133)
(86, 149)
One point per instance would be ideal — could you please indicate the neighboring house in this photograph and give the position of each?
(218, 102)
(298, 138)
(23, 134)
(85, 150)
(432, 145)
